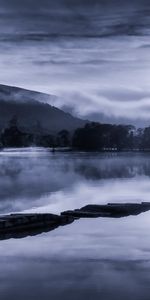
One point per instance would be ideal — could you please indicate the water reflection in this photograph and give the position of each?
(36, 177)
(105, 259)
(23, 225)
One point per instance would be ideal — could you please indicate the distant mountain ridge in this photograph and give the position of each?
(31, 108)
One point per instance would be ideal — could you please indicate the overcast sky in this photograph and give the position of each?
(93, 54)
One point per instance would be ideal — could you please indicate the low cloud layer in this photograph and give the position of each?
(93, 54)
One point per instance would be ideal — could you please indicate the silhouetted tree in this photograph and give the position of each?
(63, 138)
(13, 123)
(14, 137)
(44, 140)
(145, 139)
(96, 136)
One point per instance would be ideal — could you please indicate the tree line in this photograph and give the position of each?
(92, 137)
(14, 136)
(108, 137)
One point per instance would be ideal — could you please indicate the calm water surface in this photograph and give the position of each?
(90, 259)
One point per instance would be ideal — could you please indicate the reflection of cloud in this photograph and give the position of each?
(100, 192)
(35, 179)
(100, 259)
(27, 180)
(78, 279)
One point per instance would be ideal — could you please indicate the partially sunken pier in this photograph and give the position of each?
(110, 210)
(22, 225)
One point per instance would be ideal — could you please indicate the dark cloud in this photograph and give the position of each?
(96, 18)
(93, 54)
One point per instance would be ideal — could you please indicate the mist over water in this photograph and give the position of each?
(94, 56)
(90, 258)
(34, 177)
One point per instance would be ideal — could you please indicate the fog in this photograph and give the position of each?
(93, 55)
(91, 258)
(35, 179)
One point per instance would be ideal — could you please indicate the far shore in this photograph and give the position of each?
(74, 150)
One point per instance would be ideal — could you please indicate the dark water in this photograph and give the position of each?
(105, 259)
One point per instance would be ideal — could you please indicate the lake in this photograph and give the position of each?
(90, 259)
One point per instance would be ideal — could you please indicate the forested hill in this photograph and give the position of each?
(33, 112)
